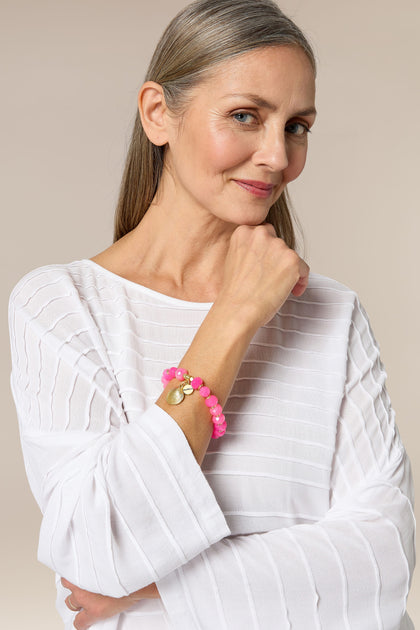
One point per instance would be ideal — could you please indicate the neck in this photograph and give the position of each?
(176, 250)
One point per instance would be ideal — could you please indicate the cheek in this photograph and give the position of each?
(225, 149)
(297, 159)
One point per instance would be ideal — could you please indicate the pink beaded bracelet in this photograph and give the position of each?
(187, 386)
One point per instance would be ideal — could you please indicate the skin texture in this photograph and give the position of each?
(204, 239)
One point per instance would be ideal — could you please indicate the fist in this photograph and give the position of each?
(260, 272)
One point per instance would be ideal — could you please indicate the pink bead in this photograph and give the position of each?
(180, 374)
(211, 400)
(219, 430)
(196, 382)
(218, 419)
(205, 391)
(216, 410)
(167, 376)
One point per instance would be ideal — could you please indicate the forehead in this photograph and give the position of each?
(275, 72)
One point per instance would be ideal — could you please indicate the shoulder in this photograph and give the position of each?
(48, 278)
(332, 299)
(77, 281)
(48, 295)
(324, 299)
(51, 322)
(329, 290)
(47, 284)
(327, 309)
(51, 309)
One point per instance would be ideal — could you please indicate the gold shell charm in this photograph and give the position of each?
(175, 396)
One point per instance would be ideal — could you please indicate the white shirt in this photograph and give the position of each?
(301, 515)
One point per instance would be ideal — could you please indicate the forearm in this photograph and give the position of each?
(260, 273)
(215, 355)
(148, 592)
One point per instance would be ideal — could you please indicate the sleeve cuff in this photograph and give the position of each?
(184, 499)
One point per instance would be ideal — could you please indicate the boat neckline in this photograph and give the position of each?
(143, 289)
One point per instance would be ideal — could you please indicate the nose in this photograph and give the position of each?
(272, 151)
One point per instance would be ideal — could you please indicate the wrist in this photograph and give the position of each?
(148, 592)
(232, 325)
(186, 386)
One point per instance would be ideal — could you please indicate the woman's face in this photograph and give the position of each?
(244, 135)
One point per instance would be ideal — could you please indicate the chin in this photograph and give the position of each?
(252, 220)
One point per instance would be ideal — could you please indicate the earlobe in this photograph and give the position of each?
(152, 109)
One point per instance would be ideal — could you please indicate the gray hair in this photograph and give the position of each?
(208, 32)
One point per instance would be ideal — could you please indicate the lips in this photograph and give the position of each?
(257, 188)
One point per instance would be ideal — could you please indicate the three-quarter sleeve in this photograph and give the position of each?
(123, 504)
(352, 568)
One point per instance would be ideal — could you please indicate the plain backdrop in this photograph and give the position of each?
(71, 70)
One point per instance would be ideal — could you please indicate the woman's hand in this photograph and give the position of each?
(93, 607)
(260, 273)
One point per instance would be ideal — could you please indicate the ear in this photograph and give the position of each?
(153, 110)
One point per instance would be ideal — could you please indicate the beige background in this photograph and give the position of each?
(69, 83)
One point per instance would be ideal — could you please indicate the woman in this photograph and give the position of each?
(298, 513)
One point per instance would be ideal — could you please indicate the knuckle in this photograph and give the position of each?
(261, 235)
(239, 235)
(263, 229)
(241, 230)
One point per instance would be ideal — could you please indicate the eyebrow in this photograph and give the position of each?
(261, 102)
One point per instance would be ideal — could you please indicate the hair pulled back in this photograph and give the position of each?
(205, 33)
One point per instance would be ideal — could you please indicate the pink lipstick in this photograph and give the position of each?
(259, 189)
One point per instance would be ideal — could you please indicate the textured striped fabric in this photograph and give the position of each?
(300, 516)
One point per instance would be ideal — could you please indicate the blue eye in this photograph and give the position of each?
(297, 129)
(243, 117)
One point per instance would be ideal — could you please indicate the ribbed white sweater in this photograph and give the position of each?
(300, 516)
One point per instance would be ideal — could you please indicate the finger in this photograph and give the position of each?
(82, 621)
(72, 603)
(68, 584)
(302, 283)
